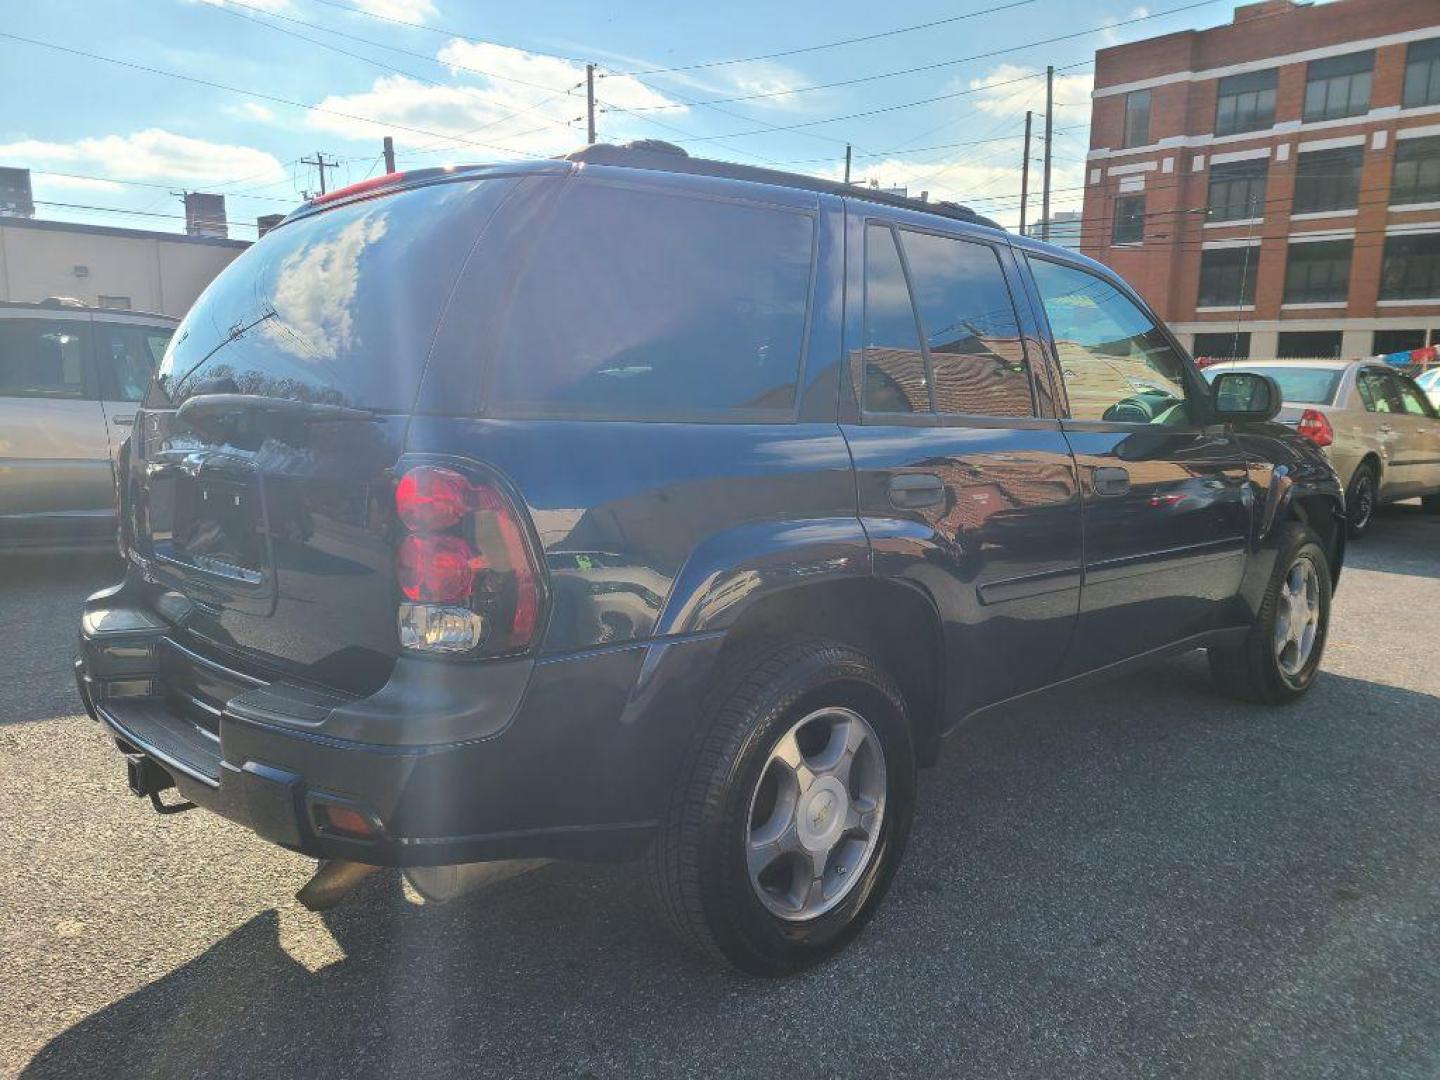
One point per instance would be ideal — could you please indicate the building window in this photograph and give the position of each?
(1339, 86)
(116, 303)
(1328, 180)
(1422, 73)
(1233, 346)
(1307, 344)
(1137, 118)
(1237, 190)
(1392, 341)
(1319, 272)
(1246, 102)
(1129, 227)
(1227, 277)
(1417, 171)
(1412, 268)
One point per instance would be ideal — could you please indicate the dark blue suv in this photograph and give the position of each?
(637, 506)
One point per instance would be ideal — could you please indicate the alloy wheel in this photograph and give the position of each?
(815, 814)
(1297, 617)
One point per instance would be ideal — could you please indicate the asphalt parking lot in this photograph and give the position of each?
(1142, 879)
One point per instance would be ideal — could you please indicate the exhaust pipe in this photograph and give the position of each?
(334, 880)
(438, 884)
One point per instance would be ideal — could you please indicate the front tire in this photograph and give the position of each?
(792, 812)
(1281, 655)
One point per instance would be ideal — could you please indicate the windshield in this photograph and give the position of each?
(1298, 385)
(335, 308)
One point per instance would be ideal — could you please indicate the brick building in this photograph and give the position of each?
(1272, 186)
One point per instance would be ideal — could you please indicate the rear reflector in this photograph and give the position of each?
(345, 820)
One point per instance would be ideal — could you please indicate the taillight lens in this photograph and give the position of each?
(465, 565)
(1315, 426)
(432, 499)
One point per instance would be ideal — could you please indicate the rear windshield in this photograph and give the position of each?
(338, 308)
(1298, 385)
(638, 304)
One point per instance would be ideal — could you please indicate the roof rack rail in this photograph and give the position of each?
(667, 157)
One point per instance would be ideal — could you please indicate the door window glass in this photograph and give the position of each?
(895, 377)
(128, 358)
(41, 358)
(970, 328)
(1118, 366)
(1411, 399)
(1376, 392)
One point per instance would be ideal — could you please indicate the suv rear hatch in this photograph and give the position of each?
(261, 478)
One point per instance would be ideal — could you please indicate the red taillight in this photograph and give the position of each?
(1315, 426)
(465, 549)
(432, 499)
(437, 569)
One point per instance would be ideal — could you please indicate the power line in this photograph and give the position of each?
(947, 63)
(440, 30)
(828, 45)
(150, 184)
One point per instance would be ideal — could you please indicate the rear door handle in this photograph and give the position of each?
(915, 491)
(1111, 480)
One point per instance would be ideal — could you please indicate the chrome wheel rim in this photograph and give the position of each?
(1364, 501)
(815, 814)
(1297, 617)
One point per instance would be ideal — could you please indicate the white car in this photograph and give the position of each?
(1430, 383)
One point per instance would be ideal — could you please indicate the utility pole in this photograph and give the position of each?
(321, 164)
(590, 103)
(1049, 130)
(389, 154)
(1025, 172)
(847, 164)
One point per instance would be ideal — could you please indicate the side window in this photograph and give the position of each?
(1411, 398)
(129, 355)
(971, 332)
(1375, 391)
(1118, 366)
(42, 358)
(895, 378)
(636, 304)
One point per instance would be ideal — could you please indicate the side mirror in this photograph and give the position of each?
(1245, 395)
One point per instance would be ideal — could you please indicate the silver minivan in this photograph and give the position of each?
(71, 377)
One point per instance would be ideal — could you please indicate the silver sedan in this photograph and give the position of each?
(1379, 428)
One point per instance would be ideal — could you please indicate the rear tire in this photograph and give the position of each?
(1281, 655)
(1361, 498)
(763, 792)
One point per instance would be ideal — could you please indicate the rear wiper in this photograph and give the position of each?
(203, 407)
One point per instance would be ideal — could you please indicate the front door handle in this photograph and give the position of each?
(1111, 480)
(915, 491)
(124, 421)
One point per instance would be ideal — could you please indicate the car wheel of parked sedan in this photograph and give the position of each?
(1360, 500)
(1280, 656)
(792, 812)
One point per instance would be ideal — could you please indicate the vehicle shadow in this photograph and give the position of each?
(1139, 879)
(1403, 539)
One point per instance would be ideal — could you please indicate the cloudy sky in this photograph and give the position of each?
(229, 96)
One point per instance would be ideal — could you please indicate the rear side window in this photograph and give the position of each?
(336, 308)
(636, 304)
(895, 376)
(42, 358)
(977, 363)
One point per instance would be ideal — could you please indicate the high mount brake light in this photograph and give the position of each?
(1315, 426)
(373, 184)
(464, 567)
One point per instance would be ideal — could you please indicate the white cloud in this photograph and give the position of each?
(273, 6)
(250, 110)
(1002, 95)
(152, 154)
(1113, 35)
(504, 101)
(404, 10)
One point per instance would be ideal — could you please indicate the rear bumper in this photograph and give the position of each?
(570, 757)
